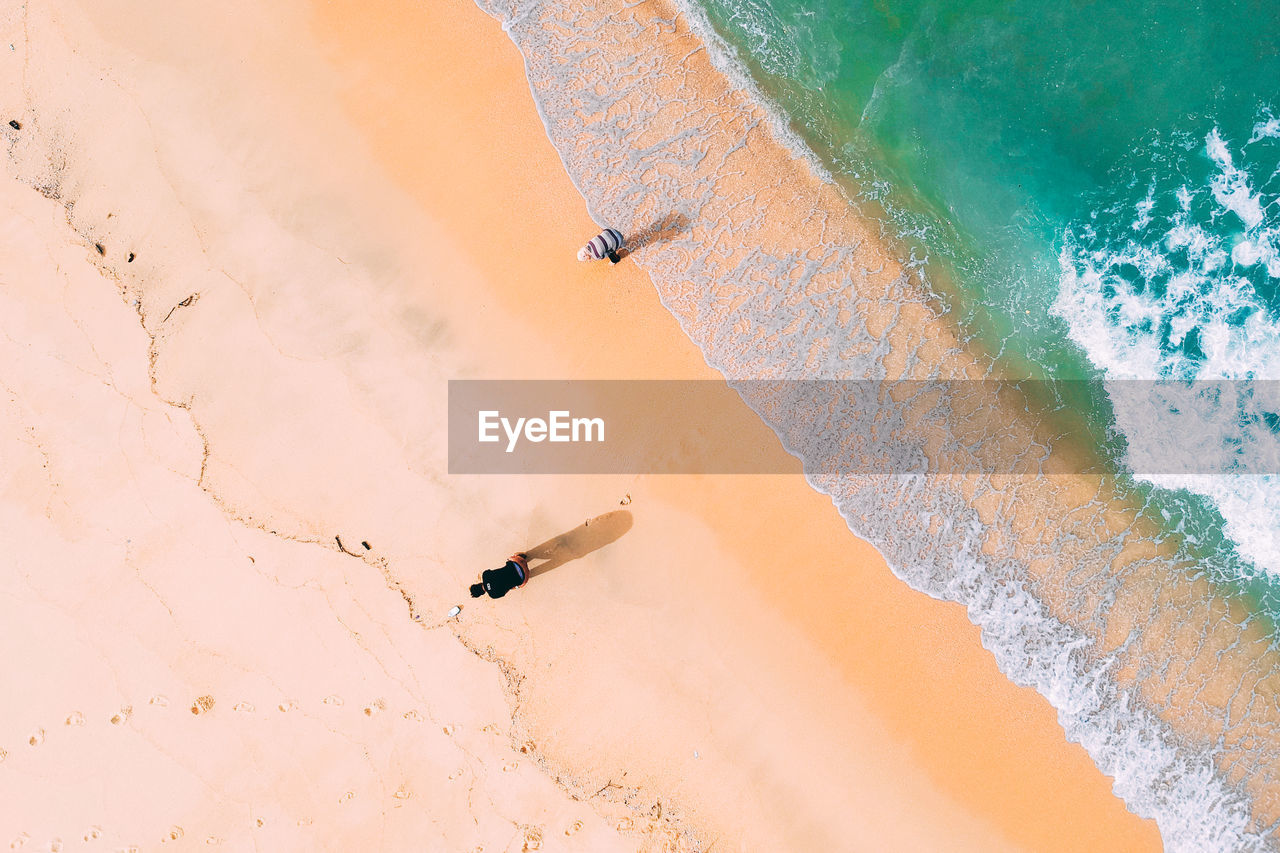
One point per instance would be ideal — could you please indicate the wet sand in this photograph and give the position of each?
(729, 668)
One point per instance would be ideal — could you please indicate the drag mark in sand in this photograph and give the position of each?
(227, 557)
(144, 293)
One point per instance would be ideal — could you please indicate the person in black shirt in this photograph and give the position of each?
(498, 582)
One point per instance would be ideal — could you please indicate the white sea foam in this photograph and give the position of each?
(1268, 128)
(1231, 185)
(798, 310)
(1143, 209)
(1132, 303)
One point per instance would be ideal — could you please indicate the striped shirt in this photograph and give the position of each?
(608, 240)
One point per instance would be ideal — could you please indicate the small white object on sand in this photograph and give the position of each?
(454, 611)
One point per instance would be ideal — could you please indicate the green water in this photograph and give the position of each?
(987, 128)
(995, 138)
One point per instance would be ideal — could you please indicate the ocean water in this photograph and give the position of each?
(1074, 192)
(1092, 190)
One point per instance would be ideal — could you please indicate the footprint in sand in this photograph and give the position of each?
(242, 707)
(19, 842)
(508, 767)
(213, 841)
(347, 797)
(532, 839)
(402, 794)
(574, 828)
(448, 730)
(119, 718)
(335, 701)
(202, 705)
(159, 700)
(37, 737)
(3, 754)
(375, 707)
(92, 834)
(624, 824)
(412, 716)
(75, 718)
(286, 707)
(174, 833)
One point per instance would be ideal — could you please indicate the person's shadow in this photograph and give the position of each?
(666, 228)
(578, 542)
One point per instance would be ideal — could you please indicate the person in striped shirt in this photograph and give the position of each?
(604, 245)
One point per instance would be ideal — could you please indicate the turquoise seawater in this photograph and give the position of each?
(1091, 188)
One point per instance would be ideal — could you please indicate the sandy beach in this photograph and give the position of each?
(244, 252)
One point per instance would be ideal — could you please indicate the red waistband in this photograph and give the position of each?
(523, 565)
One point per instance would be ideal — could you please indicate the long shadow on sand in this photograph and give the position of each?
(661, 230)
(580, 541)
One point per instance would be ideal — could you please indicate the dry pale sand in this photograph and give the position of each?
(243, 251)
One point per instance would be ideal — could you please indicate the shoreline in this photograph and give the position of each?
(333, 702)
(894, 701)
(716, 279)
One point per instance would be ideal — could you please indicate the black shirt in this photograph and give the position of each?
(498, 582)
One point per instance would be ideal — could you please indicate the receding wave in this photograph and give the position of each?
(1185, 289)
(771, 272)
